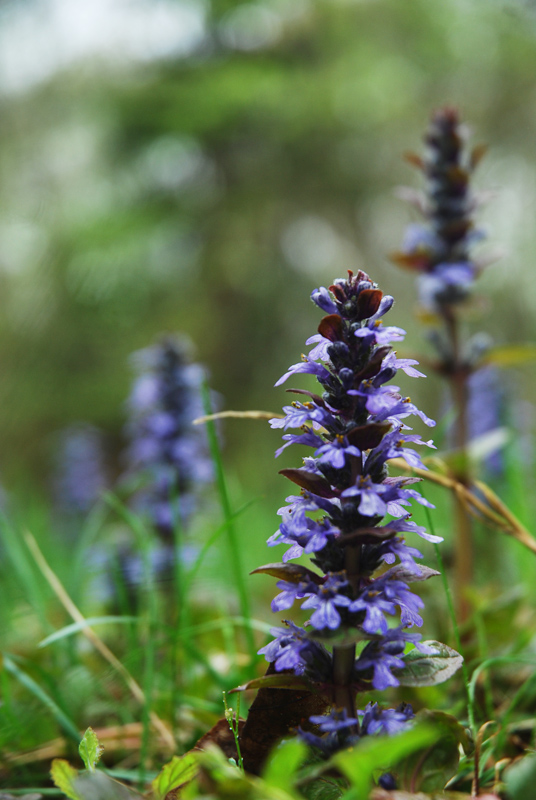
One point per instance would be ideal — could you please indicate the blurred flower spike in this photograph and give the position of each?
(440, 249)
(167, 453)
(80, 469)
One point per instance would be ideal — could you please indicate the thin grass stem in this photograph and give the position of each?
(452, 614)
(234, 549)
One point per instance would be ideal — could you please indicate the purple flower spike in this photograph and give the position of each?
(354, 426)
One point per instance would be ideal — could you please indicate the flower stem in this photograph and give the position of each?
(464, 560)
(343, 667)
(344, 656)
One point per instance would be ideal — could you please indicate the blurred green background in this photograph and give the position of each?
(200, 167)
(195, 166)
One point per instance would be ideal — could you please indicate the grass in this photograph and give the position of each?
(147, 668)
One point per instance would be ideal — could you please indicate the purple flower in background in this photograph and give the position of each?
(485, 411)
(80, 470)
(354, 425)
(167, 453)
(439, 249)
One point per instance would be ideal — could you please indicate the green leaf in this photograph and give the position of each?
(284, 762)
(429, 769)
(64, 776)
(520, 778)
(181, 769)
(229, 782)
(379, 753)
(90, 749)
(429, 670)
(280, 681)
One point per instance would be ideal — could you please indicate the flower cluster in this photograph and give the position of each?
(166, 451)
(440, 250)
(338, 730)
(354, 426)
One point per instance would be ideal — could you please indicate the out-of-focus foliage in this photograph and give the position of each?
(209, 190)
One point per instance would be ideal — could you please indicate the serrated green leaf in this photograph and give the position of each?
(90, 749)
(181, 769)
(429, 670)
(64, 776)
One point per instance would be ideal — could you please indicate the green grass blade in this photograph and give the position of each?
(234, 548)
(215, 625)
(192, 574)
(144, 543)
(25, 680)
(490, 662)
(23, 566)
(75, 627)
(90, 530)
(452, 614)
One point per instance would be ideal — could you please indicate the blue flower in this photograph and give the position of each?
(325, 600)
(293, 649)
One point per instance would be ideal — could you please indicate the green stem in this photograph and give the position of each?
(234, 549)
(452, 614)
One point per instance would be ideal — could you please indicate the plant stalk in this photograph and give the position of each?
(344, 655)
(463, 545)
